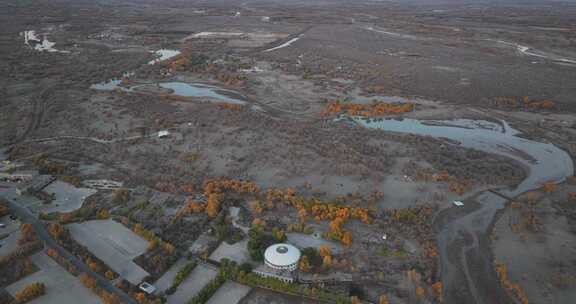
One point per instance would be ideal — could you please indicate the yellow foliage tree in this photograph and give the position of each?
(420, 292)
(325, 250)
(347, 239)
(304, 264)
(109, 275)
(549, 187)
(383, 300)
(30, 292)
(327, 261)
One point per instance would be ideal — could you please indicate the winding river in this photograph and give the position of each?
(461, 238)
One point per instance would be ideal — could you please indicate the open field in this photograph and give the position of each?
(199, 277)
(236, 252)
(230, 292)
(114, 244)
(167, 278)
(67, 197)
(61, 286)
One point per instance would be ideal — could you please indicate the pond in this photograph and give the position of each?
(163, 54)
(178, 89)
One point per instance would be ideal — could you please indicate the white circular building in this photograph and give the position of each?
(282, 257)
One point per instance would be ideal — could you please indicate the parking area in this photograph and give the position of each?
(61, 286)
(114, 244)
(199, 277)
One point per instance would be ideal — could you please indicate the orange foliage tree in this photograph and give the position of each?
(383, 300)
(215, 191)
(3, 209)
(513, 288)
(549, 187)
(367, 110)
(27, 234)
(30, 292)
(87, 281)
(325, 250)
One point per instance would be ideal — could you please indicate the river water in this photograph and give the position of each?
(544, 162)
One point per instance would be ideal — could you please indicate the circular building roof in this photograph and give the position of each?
(282, 254)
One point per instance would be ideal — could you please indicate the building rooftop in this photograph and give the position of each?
(282, 254)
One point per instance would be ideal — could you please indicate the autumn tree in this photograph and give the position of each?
(168, 248)
(30, 292)
(110, 275)
(347, 238)
(279, 235)
(213, 204)
(152, 244)
(140, 297)
(109, 298)
(304, 264)
(549, 187)
(259, 223)
(56, 230)
(437, 291)
(121, 195)
(27, 234)
(4, 210)
(324, 251)
(302, 214)
(191, 206)
(94, 266)
(327, 261)
(383, 300)
(87, 281)
(419, 292)
(51, 252)
(65, 218)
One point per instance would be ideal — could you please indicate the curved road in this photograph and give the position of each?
(27, 217)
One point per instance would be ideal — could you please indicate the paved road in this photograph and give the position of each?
(26, 216)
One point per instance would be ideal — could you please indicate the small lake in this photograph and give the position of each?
(163, 54)
(178, 89)
(203, 90)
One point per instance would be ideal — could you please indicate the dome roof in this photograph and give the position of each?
(282, 255)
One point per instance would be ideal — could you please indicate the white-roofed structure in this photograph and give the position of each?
(282, 257)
